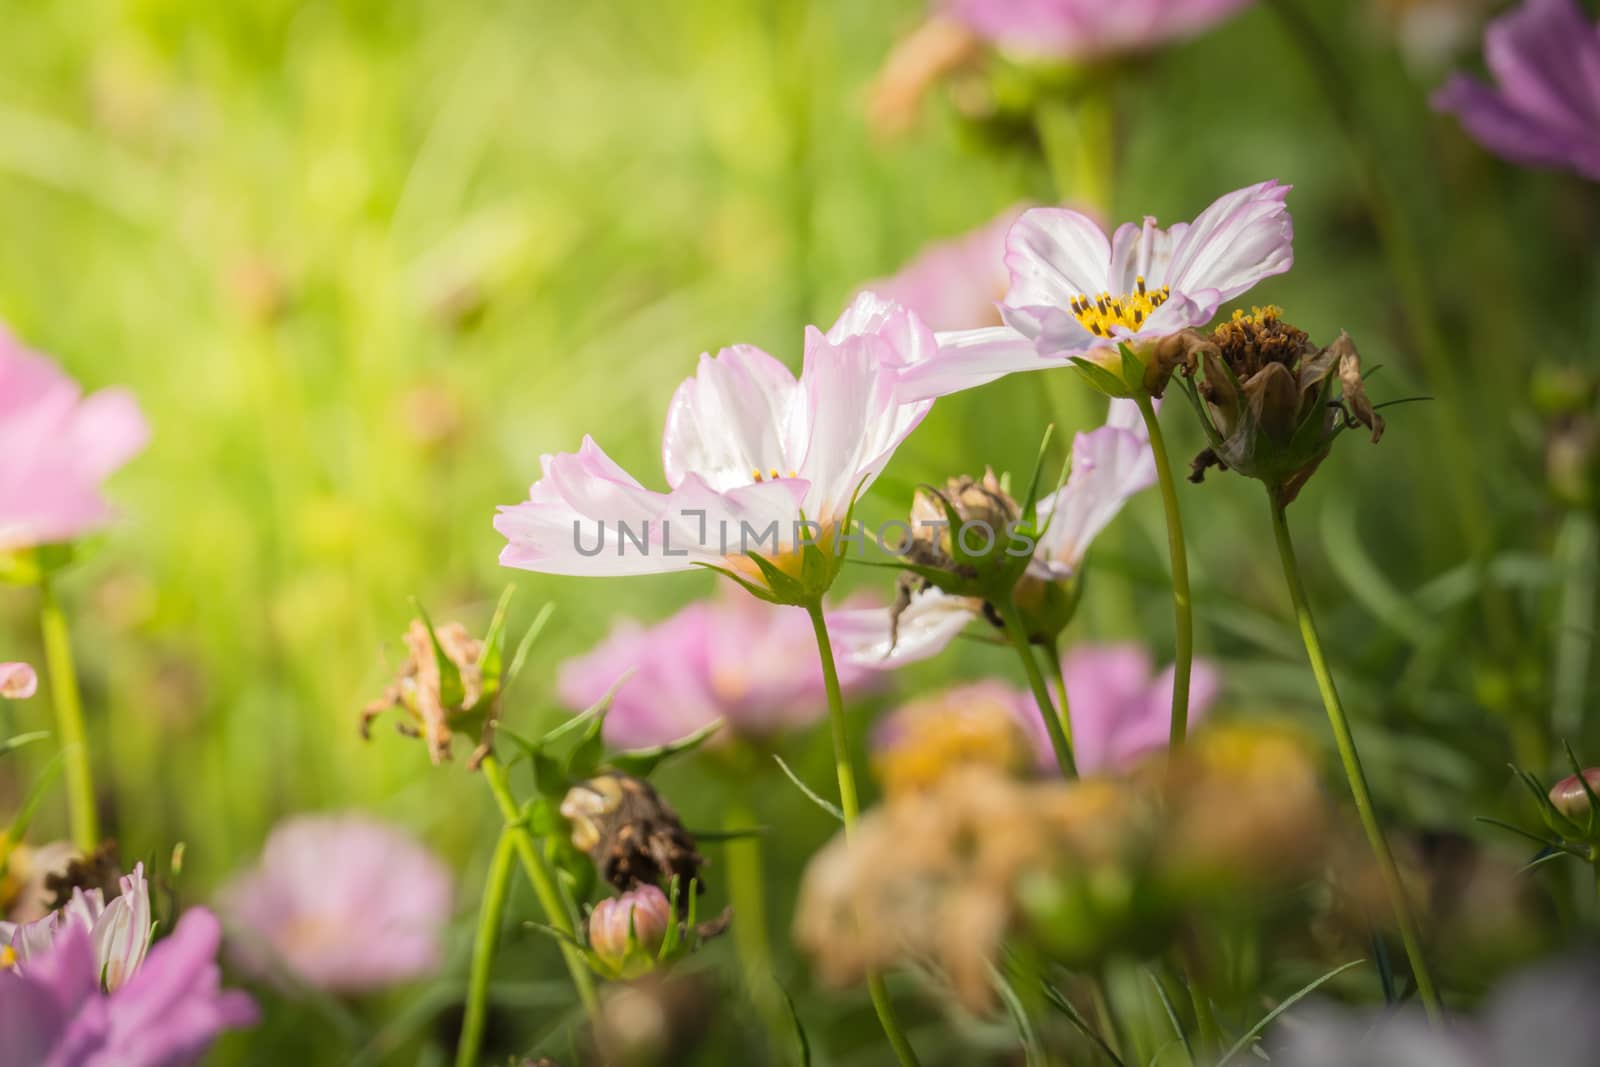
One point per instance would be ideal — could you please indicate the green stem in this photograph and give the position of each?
(1182, 607)
(558, 911)
(851, 806)
(747, 894)
(490, 914)
(1352, 764)
(1060, 731)
(1052, 659)
(81, 812)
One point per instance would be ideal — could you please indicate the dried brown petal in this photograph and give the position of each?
(632, 834)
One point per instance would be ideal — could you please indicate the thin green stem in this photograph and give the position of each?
(747, 894)
(81, 812)
(1055, 724)
(490, 915)
(1182, 607)
(1351, 759)
(851, 806)
(558, 910)
(1052, 659)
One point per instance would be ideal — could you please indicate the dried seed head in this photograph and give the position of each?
(631, 834)
(419, 691)
(99, 869)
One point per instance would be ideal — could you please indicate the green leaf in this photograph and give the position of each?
(11, 744)
(1062, 1004)
(713, 837)
(589, 719)
(566, 939)
(826, 805)
(1031, 1049)
(1266, 1020)
(1101, 378)
(1172, 1013)
(1030, 504)
(641, 762)
(534, 630)
(800, 1037)
(1518, 830)
(492, 656)
(451, 692)
(669, 944)
(759, 592)
(30, 804)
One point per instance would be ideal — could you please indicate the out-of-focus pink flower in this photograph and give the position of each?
(1545, 110)
(17, 681)
(1075, 292)
(757, 461)
(1121, 708)
(751, 664)
(53, 1013)
(1087, 29)
(56, 447)
(1109, 466)
(955, 284)
(344, 903)
(119, 932)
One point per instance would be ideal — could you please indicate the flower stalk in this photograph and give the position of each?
(81, 812)
(1055, 723)
(747, 894)
(850, 805)
(1182, 607)
(1351, 759)
(559, 911)
(491, 912)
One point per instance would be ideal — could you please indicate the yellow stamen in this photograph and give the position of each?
(1100, 313)
(8, 957)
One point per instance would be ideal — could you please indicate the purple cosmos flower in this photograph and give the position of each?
(749, 663)
(1544, 1015)
(1087, 29)
(1077, 293)
(344, 903)
(56, 446)
(119, 932)
(1109, 466)
(17, 681)
(53, 1013)
(1545, 112)
(757, 461)
(955, 284)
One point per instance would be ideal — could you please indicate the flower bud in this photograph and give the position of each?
(627, 931)
(1571, 799)
(1268, 395)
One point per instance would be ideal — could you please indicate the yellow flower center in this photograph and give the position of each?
(772, 475)
(1099, 314)
(8, 957)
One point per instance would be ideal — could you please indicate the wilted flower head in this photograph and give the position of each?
(344, 903)
(1086, 29)
(1545, 110)
(750, 664)
(118, 930)
(53, 1012)
(955, 284)
(56, 447)
(632, 834)
(1544, 1015)
(1270, 409)
(28, 889)
(627, 931)
(1109, 466)
(763, 468)
(1077, 295)
(17, 681)
(434, 701)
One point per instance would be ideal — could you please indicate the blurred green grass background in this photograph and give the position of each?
(363, 262)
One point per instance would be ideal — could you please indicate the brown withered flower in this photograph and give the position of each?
(1269, 405)
(99, 869)
(962, 530)
(420, 692)
(632, 834)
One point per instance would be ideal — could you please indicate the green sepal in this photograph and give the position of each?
(641, 762)
(451, 691)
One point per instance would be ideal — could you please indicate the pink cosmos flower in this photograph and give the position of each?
(1109, 466)
(1121, 709)
(749, 663)
(1545, 112)
(1087, 29)
(17, 681)
(56, 447)
(756, 460)
(53, 1013)
(345, 903)
(955, 284)
(119, 932)
(1075, 292)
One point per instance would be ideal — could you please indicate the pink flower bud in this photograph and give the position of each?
(1569, 797)
(608, 924)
